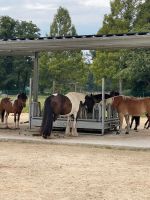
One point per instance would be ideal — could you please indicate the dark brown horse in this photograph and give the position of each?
(7, 106)
(57, 104)
(129, 106)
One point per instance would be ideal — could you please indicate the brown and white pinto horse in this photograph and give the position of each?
(66, 105)
(7, 106)
(127, 106)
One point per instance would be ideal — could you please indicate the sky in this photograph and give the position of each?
(86, 15)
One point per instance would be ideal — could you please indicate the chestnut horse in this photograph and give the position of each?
(7, 106)
(126, 106)
(66, 105)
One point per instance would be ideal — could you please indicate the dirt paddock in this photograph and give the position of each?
(30, 171)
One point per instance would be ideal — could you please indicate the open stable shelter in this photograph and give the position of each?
(33, 46)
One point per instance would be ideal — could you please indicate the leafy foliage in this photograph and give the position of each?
(132, 66)
(62, 25)
(15, 71)
(65, 68)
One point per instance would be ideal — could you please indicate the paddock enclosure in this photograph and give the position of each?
(32, 46)
(36, 169)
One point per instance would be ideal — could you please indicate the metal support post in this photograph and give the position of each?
(30, 101)
(35, 86)
(120, 86)
(103, 106)
(35, 78)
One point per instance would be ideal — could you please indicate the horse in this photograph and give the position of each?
(66, 105)
(91, 100)
(7, 106)
(127, 106)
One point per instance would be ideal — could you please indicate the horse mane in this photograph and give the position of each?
(132, 97)
(22, 96)
(6, 99)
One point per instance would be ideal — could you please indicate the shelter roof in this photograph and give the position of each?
(28, 46)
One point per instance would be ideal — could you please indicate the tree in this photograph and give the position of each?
(7, 27)
(137, 72)
(142, 21)
(66, 68)
(62, 25)
(16, 70)
(26, 29)
(120, 20)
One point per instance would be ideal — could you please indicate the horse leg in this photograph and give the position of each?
(148, 125)
(132, 119)
(67, 131)
(18, 119)
(137, 122)
(15, 119)
(6, 120)
(148, 122)
(74, 128)
(127, 122)
(2, 115)
(121, 122)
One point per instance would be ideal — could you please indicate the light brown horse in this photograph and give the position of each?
(127, 106)
(7, 106)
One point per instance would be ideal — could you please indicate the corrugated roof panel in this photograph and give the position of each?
(28, 46)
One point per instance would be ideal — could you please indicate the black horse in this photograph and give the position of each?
(91, 100)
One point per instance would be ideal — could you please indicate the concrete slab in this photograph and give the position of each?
(135, 140)
(132, 141)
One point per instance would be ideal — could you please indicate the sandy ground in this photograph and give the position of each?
(60, 172)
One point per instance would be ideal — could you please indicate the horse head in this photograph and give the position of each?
(109, 101)
(22, 98)
(114, 93)
(89, 103)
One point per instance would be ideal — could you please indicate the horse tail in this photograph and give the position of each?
(2, 115)
(47, 121)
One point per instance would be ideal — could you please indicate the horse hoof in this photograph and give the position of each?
(44, 136)
(68, 134)
(75, 135)
(126, 132)
(117, 133)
